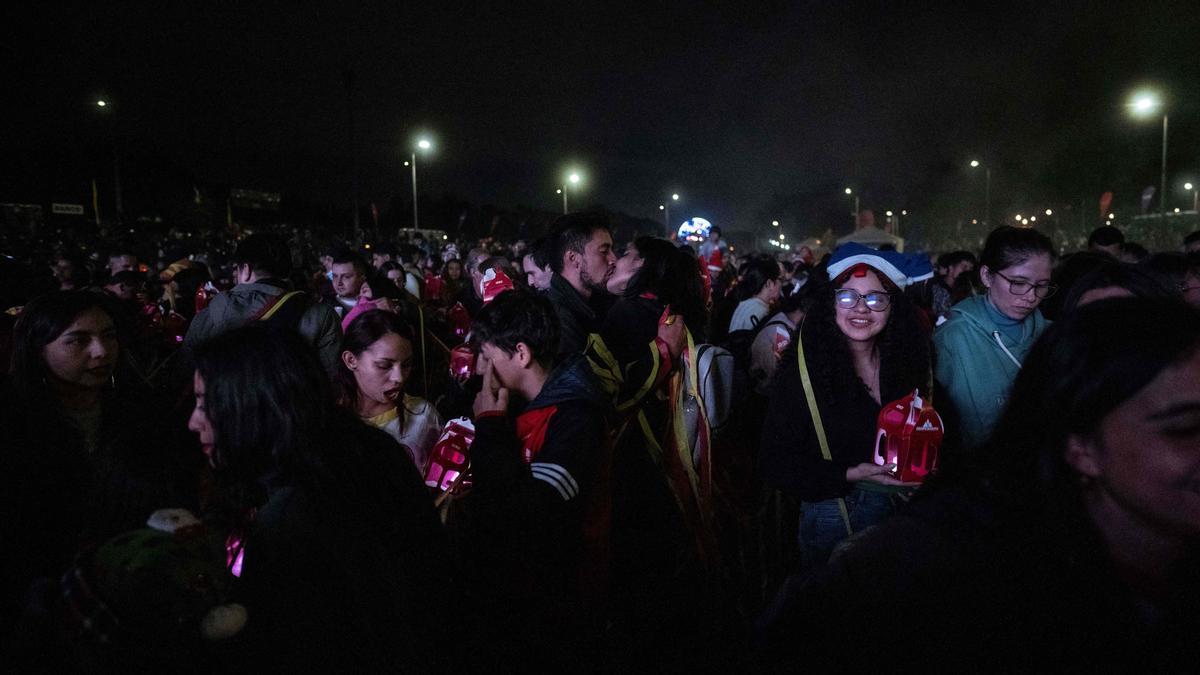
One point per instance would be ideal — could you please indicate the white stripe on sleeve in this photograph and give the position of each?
(558, 477)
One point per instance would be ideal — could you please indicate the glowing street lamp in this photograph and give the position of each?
(851, 192)
(1195, 196)
(1144, 104)
(424, 145)
(1049, 212)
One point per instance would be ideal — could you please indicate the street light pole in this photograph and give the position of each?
(112, 139)
(851, 192)
(414, 183)
(667, 211)
(573, 178)
(1162, 199)
(422, 144)
(987, 196)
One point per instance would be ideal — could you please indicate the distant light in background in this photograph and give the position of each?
(849, 191)
(1033, 219)
(974, 163)
(1049, 212)
(675, 196)
(101, 103)
(1018, 217)
(1111, 216)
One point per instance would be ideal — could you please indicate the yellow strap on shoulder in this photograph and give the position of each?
(278, 304)
(818, 425)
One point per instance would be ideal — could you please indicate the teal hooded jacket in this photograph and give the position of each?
(976, 364)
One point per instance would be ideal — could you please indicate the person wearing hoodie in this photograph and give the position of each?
(537, 547)
(981, 348)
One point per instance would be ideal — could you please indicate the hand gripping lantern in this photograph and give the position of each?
(910, 433)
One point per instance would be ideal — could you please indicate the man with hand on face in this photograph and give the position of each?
(540, 499)
(582, 259)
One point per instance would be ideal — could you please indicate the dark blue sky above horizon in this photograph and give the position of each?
(750, 110)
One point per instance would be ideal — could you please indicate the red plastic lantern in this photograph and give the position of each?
(910, 433)
(495, 282)
(460, 320)
(450, 457)
(462, 363)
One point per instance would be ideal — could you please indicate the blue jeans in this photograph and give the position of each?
(822, 527)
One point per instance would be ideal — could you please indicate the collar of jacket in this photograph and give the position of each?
(562, 292)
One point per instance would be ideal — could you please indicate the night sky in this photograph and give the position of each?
(751, 111)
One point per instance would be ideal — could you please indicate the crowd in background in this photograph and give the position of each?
(223, 450)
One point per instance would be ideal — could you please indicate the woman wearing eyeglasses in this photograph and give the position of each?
(982, 346)
(862, 347)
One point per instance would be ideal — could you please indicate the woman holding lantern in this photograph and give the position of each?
(859, 348)
(1075, 542)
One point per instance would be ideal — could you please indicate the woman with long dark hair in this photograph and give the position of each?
(331, 530)
(378, 358)
(84, 457)
(1075, 538)
(861, 347)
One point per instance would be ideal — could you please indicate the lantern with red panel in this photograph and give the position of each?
(910, 433)
(462, 363)
(460, 321)
(495, 282)
(433, 286)
(204, 295)
(449, 465)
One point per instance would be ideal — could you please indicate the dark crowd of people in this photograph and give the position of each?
(271, 451)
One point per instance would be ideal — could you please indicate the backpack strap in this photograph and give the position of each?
(818, 425)
(268, 310)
